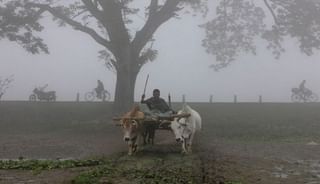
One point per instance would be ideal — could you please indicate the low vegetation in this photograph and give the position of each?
(140, 169)
(237, 124)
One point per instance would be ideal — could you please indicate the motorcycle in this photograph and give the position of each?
(42, 95)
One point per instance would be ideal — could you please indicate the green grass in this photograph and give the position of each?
(234, 182)
(260, 122)
(243, 122)
(120, 168)
(49, 164)
(173, 169)
(267, 122)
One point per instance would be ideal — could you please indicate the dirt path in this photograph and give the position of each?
(262, 163)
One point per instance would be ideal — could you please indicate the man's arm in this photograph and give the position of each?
(147, 101)
(142, 99)
(165, 105)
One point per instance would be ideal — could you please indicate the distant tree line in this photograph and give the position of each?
(4, 84)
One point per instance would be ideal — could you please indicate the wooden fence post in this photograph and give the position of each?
(260, 99)
(211, 98)
(235, 98)
(78, 97)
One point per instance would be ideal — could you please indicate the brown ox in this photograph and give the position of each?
(133, 128)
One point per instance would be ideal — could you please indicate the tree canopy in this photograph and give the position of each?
(107, 23)
(18, 26)
(239, 23)
(235, 27)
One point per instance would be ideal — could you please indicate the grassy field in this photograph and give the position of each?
(261, 122)
(40, 117)
(81, 130)
(212, 113)
(284, 122)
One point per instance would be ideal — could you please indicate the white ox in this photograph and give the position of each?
(185, 128)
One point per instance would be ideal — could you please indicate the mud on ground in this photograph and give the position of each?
(239, 144)
(216, 161)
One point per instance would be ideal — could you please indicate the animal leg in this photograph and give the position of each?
(134, 148)
(145, 139)
(152, 135)
(189, 143)
(140, 143)
(184, 150)
(130, 149)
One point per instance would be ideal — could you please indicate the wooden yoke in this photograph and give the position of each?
(183, 115)
(125, 118)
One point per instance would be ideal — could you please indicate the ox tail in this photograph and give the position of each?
(199, 123)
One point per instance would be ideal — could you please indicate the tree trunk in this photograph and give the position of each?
(124, 94)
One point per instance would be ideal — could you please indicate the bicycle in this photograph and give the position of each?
(91, 95)
(303, 96)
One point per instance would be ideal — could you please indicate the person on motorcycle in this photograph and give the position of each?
(43, 87)
(99, 89)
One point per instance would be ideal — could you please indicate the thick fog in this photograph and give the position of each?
(182, 67)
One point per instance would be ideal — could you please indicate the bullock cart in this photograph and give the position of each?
(138, 127)
(159, 122)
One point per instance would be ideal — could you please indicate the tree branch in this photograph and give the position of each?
(155, 20)
(76, 25)
(272, 12)
(113, 21)
(92, 7)
(153, 8)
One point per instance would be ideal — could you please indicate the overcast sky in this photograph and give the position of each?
(182, 67)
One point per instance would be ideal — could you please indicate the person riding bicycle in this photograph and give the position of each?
(99, 89)
(302, 86)
(303, 89)
(157, 106)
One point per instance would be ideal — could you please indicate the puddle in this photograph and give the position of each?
(280, 175)
(312, 143)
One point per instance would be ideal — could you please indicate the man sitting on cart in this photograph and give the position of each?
(156, 106)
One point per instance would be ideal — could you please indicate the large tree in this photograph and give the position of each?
(107, 22)
(234, 27)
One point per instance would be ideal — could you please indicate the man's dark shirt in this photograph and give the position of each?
(157, 104)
